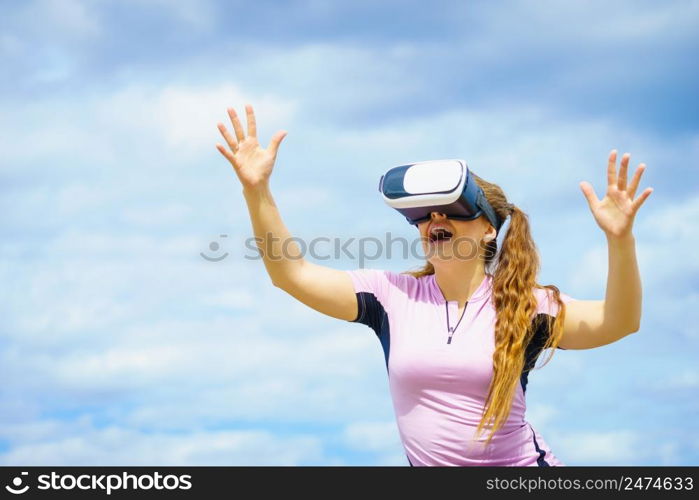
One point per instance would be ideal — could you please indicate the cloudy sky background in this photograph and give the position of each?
(120, 344)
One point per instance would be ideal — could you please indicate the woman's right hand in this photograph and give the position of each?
(252, 163)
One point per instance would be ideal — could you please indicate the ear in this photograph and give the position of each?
(490, 234)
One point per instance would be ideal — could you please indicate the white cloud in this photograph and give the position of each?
(10, 45)
(372, 436)
(260, 363)
(198, 15)
(670, 223)
(669, 454)
(596, 23)
(188, 117)
(82, 443)
(157, 215)
(135, 128)
(379, 438)
(74, 19)
(541, 414)
(589, 274)
(687, 378)
(614, 447)
(675, 312)
(303, 198)
(237, 298)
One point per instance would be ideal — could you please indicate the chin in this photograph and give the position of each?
(443, 255)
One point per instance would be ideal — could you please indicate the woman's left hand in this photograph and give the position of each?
(616, 211)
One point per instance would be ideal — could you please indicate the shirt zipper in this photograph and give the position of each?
(452, 330)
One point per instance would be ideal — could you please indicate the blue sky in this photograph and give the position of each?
(119, 344)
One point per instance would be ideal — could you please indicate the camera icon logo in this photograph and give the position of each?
(214, 247)
(17, 483)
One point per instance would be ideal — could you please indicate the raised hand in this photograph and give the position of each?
(616, 211)
(252, 163)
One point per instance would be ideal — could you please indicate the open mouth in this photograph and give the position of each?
(439, 234)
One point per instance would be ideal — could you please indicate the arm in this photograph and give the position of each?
(594, 323)
(324, 289)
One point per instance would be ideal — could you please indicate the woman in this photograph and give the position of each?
(461, 334)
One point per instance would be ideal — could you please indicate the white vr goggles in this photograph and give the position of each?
(446, 186)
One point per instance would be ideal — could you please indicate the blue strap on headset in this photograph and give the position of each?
(483, 204)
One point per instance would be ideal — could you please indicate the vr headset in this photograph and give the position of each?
(446, 186)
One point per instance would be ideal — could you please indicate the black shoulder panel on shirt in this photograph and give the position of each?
(372, 313)
(541, 333)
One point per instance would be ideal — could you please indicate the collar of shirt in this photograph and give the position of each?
(481, 293)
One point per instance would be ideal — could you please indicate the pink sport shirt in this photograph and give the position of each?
(439, 388)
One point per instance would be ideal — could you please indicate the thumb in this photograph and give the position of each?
(589, 193)
(275, 141)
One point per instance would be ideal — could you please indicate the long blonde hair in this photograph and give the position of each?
(514, 273)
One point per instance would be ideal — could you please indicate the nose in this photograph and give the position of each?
(437, 215)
